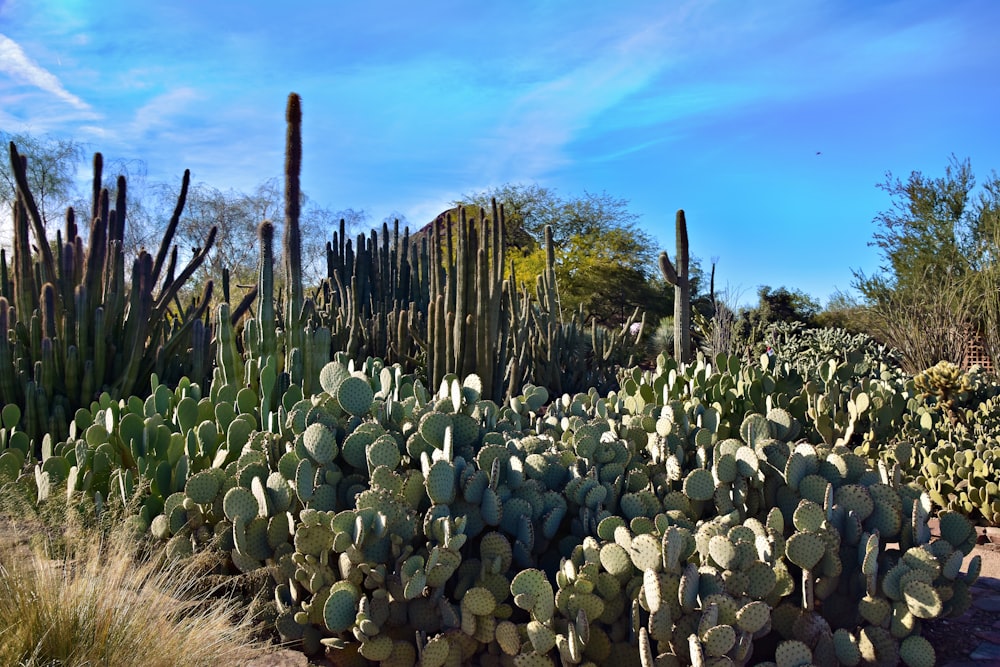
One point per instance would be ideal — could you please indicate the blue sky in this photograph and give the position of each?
(770, 123)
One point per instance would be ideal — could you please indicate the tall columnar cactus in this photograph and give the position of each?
(80, 326)
(678, 277)
(293, 235)
(466, 288)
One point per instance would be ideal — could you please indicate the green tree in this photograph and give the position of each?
(845, 311)
(935, 231)
(605, 262)
(785, 305)
(939, 243)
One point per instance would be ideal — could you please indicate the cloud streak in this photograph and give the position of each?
(15, 62)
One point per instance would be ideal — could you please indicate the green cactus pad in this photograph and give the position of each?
(536, 591)
(878, 646)
(645, 552)
(331, 376)
(543, 640)
(320, 443)
(240, 502)
(314, 540)
(615, 559)
(887, 518)
(796, 469)
(202, 487)
(699, 485)
(279, 530)
(761, 580)
(808, 516)
(383, 452)
(754, 428)
(916, 651)
(813, 487)
(355, 395)
(495, 547)
(955, 528)
(718, 640)
(440, 482)
(922, 600)
(856, 498)
(805, 549)
(792, 653)
(256, 539)
(508, 638)
(305, 475)
(377, 649)
(723, 552)
(473, 487)
(432, 428)
(355, 449)
(687, 591)
(753, 616)
(845, 646)
(287, 464)
(922, 558)
(606, 527)
(479, 601)
(491, 507)
(466, 430)
(631, 504)
(874, 610)
(341, 606)
(726, 468)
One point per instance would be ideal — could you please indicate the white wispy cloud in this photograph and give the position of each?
(16, 63)
(545, 119)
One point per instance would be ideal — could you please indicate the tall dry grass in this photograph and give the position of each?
(100, 602)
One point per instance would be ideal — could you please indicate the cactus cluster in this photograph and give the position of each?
(74, 324)
(403, 526)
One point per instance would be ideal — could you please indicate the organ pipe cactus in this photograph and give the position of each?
(73, 325)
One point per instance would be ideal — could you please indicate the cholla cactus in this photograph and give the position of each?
(949, 385)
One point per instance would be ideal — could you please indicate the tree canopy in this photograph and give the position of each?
(605, 262)
(936, 230)
(936, 289)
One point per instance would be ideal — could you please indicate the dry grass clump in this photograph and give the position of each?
(100, 602)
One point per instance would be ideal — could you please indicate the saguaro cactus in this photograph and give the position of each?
(678, 277)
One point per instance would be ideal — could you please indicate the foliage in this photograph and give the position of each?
(938, 241)
(604, 261)
(51, 166)
(783, 305)
(936, 229)
(845, 311)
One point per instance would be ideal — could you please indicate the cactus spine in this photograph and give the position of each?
(678, 277)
